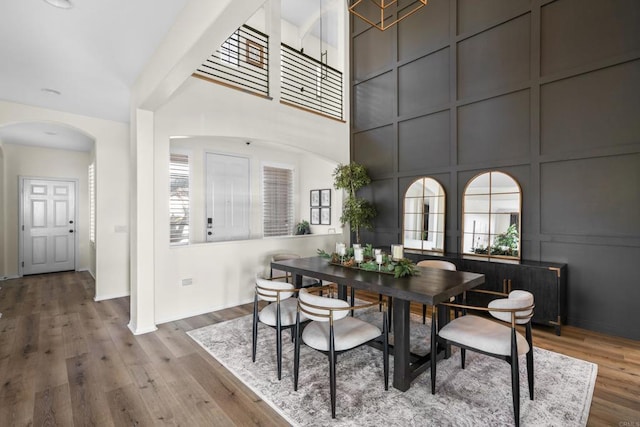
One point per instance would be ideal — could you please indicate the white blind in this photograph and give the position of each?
(179, 199)
(277, 199)
(92, 202)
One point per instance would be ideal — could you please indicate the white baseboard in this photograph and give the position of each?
(140, 331)
(207, 310)
(105, 297)
(8, 277)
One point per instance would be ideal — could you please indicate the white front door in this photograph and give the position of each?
(48, 225)
(227, 198)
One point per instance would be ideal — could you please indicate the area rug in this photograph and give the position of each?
(478, 395)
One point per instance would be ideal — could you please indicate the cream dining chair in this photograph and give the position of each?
(498, 339)
(332, 331)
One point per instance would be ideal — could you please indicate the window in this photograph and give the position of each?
(424, 214)
(277, 201)
(491, 218)
(179, 198)
(92, 202)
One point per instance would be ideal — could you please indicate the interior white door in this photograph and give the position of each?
(227, 197)
(48, 226)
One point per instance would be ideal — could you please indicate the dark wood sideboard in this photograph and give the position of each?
(547, 282)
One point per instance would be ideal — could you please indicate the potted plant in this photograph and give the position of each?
(358, 212)
(303, 227)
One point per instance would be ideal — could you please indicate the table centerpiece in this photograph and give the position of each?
(370, 259)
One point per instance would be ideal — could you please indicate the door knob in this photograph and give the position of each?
(70, 231)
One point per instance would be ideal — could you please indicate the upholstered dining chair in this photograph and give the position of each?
(434, 263)
(332, 331)
(279, 314)
(498, 339)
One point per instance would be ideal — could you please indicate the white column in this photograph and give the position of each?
(142, 236)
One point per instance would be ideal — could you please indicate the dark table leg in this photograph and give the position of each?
(401, 355)
(444, 314)
(297, 280)
(342, 292)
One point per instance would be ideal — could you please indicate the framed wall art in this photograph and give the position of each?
(315, 216)
(325, 197)
(325, 216)
(315, 197)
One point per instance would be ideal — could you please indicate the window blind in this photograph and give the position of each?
(179, 199)
(277, 208)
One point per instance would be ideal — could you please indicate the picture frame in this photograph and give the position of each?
(325, 216)
(254, 54)
(315, 216)
(315, 198)
(325, 197)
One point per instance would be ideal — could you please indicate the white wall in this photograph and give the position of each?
(46, 163)
(222, 273)
(3, 205)
(112, 179)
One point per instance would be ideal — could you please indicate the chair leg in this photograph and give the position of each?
(255, 329)
(332, 372)
(463, 354)
(385, 351)
(390, 311)
(296, 353)
(530, 360)
(353, 298)
(424, 314)
(379, 302)
(434, 349)
(515, 378)
(279, 341)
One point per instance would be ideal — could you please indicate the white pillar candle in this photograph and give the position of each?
(356, 246)
(342, 249)
(379, 257)
(397, 252)
(377, 251)
(359, 255)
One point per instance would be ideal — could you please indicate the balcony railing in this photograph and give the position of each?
(310, 84)
(242, 62)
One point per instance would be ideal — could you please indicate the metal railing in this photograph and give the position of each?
(242, 61)
(310, 84)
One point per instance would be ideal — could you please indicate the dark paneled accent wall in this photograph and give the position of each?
(547, 91)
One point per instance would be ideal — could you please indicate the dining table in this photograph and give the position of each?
(429, 286)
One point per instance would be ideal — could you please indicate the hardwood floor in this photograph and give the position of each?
(67, 360)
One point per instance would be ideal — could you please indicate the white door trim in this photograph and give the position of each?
(21, 179)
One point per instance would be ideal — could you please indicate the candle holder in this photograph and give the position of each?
(358, 254)
(379, 259)
(397, 252)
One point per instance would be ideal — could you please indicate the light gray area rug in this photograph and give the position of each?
(478, 395)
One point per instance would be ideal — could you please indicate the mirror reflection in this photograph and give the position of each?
(491, 224)
(424, 215)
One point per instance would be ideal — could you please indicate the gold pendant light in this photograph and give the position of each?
(367, 10)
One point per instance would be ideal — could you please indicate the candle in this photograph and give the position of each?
(359, 255)
(341, 249)
(377, 252)
(397, 252)
(379, 257)
(356, 246)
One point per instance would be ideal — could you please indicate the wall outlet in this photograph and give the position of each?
(187, 282)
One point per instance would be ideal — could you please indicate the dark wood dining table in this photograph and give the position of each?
(431, 286)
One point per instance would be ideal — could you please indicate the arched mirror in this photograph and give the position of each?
(424, 212)
(491, 216)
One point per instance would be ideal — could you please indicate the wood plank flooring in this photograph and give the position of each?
(68, 360)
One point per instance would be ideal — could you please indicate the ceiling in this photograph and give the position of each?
(84, 60)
